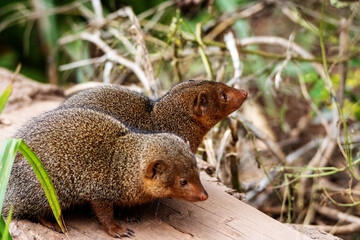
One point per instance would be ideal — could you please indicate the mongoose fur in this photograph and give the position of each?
(190, 109)
(92, 157)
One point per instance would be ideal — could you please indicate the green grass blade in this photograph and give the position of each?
(4, 97)
(4, 234)
(4, 227)
(7, 156)
(45, 182)
(204, 58)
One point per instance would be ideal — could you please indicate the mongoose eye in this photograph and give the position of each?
(183, 182)
(223, 96)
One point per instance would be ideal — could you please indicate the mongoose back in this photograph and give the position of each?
(189, 109)
(92, 157)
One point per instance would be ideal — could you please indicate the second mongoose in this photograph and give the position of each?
(190, 109)
(92, 157)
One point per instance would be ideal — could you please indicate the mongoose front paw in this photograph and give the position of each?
(117, 231)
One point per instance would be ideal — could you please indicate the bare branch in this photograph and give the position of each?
(238, 65)
(110, 54)
(284, 43)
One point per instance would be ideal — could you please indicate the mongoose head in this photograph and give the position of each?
(172, 170)
(210, 101)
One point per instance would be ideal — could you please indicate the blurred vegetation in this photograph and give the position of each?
(299, 60)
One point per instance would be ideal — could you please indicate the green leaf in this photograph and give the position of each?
(4, 228)
(339, 4)
(4, 97)
(45, 182)
(7, 156)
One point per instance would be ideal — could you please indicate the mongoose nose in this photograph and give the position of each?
(204, 196)
(243, 93)
(240, 94)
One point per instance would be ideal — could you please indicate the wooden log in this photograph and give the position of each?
(220, 217)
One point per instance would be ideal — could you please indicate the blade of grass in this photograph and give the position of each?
(174, 26)
(7, 156)
(4, 97)
(197, 38)
(4, 228)
(45, 182)
(331, 91)
(6, 94)
(204, 58)
(2, 225)
(4, 234)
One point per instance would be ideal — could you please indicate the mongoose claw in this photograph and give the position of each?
(130, 230)
(130, 233)
(126, 235)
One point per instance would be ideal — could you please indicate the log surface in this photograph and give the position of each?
(220, 217)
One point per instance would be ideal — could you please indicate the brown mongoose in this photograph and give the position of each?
(190, 109)
(92, 157)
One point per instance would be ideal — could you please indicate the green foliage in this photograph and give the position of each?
(4, 227)
(7, 156)
(340, 4)
(8, 152)
(318, 92)
(354, 63)
(241, 26)
(4, 97)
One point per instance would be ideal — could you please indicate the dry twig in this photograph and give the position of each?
(332, 213)
(273, 147)
(145, 59)
(110, 54)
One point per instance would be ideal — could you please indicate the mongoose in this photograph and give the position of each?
(189, 109)
(92, 157)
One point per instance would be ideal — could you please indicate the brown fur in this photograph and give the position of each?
(92, 157)
(189, 109)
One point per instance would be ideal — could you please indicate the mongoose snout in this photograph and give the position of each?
(236, 97)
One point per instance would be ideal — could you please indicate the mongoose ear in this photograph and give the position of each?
(155, 168)
(201, 104)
